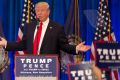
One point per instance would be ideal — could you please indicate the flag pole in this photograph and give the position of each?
(77, 23)
(29, 2)
(77, 30)
(109, 25)
(78, 19)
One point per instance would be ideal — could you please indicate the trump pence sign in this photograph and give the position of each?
(36, 67)
(108, 54)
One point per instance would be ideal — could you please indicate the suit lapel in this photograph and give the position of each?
(47, 34)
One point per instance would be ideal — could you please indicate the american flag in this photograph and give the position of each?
(27, 16)
(103, 27)
(103, 31)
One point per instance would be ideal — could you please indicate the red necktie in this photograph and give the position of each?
(37, 39)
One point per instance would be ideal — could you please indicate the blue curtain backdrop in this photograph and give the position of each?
(11, 12)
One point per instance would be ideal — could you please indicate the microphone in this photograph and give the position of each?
(38, 21)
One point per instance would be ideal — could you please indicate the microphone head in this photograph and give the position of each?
(38, 21)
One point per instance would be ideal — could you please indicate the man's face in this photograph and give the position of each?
(42, 12)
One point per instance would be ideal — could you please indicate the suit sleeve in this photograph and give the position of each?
(18, 46)
(64, 45)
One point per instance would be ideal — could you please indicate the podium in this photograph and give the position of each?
(42, 67)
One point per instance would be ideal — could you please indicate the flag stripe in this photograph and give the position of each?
(115, 75)
(27, 16)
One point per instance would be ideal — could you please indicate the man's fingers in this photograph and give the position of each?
(81, 44)
(2, 39)
(85, 48)
(88, 47)
(3, 42)
(82, 47)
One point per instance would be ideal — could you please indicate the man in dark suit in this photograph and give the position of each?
(52, 37)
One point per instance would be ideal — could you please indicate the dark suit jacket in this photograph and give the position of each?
(53, 41)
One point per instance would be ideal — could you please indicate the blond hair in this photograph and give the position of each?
(42, 3)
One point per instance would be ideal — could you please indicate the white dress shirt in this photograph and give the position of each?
(44, 27)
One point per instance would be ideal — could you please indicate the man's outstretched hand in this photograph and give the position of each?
(82, 48)
(3, 42)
